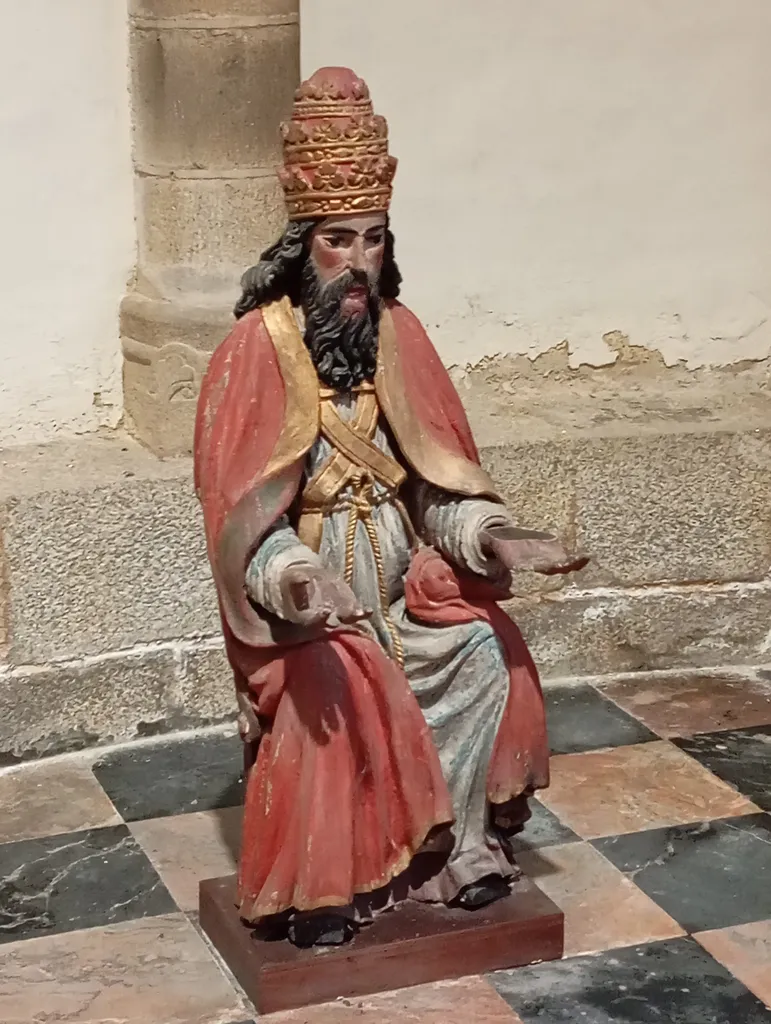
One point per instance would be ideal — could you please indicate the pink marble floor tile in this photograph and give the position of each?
(470, 1001)
(151, 971)
(630, 789)
(686, 704)
(746, 951)
(190, 847)
(603, 909)
(51, 797)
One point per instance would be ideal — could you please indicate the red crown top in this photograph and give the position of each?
(335, 149)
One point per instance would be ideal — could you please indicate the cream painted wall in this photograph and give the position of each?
(66, 215)
(573, 167)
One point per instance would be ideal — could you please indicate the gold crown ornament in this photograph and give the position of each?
(335, 149)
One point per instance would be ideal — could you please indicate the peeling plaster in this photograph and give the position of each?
(545, 397)
(623, 358)
(569, 172)
(711, 338)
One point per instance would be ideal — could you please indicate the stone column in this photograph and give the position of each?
(211, 79)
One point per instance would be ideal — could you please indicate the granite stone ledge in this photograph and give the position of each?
(127, 695)
(205, 692)
(133, 694)
(104, 550)
(676, 507)
(595, 633)
(74, 706)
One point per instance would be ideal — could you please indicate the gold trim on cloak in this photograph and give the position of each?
(302, 423)
(302, 415)
(428, 458)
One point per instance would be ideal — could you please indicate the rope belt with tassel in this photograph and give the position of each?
(356, 466)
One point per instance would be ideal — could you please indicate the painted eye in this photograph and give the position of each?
(334, 241)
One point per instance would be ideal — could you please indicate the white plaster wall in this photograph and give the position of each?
(66, 214)
(573, 167)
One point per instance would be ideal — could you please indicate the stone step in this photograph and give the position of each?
(109, 626)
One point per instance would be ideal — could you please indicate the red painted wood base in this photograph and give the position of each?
(412, 945)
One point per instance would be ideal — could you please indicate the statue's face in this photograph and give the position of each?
(355, 244)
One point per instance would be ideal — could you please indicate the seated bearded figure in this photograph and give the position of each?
(391, 714)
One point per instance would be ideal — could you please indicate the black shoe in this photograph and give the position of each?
(321, 930)
(483, 893)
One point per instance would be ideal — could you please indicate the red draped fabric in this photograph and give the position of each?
(347, 782)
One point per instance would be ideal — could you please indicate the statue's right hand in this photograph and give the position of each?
(313, 596)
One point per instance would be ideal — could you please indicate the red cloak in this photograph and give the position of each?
(347, 782)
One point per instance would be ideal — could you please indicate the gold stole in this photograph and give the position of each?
(357, 463)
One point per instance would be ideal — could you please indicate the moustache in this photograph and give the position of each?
(334, 291)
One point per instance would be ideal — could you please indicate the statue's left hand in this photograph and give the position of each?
(528, 551)
(248, 723)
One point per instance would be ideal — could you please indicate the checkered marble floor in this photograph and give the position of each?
(654, 838)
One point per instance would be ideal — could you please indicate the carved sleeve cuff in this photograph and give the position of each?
(453, 525)
(279, 550)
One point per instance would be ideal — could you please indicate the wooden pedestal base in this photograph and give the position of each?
(412, 945)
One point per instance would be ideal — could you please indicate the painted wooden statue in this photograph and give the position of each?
(391, 711)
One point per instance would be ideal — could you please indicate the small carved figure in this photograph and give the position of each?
(391, 713)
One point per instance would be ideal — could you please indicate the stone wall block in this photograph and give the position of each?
(205, 692)
(213, 224)
(537, 482)
(211, 98)
(597, 633)
(105, 569)
(5, 604)
(166, 423)
(270, 11)
(676, 507)
(158, 323)
(70, 707)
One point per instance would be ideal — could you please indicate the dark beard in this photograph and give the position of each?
(343, 349)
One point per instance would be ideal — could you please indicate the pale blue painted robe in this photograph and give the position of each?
(457, 672)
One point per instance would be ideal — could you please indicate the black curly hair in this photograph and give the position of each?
(280, 269)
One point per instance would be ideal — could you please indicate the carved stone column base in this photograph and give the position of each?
(166, 348)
